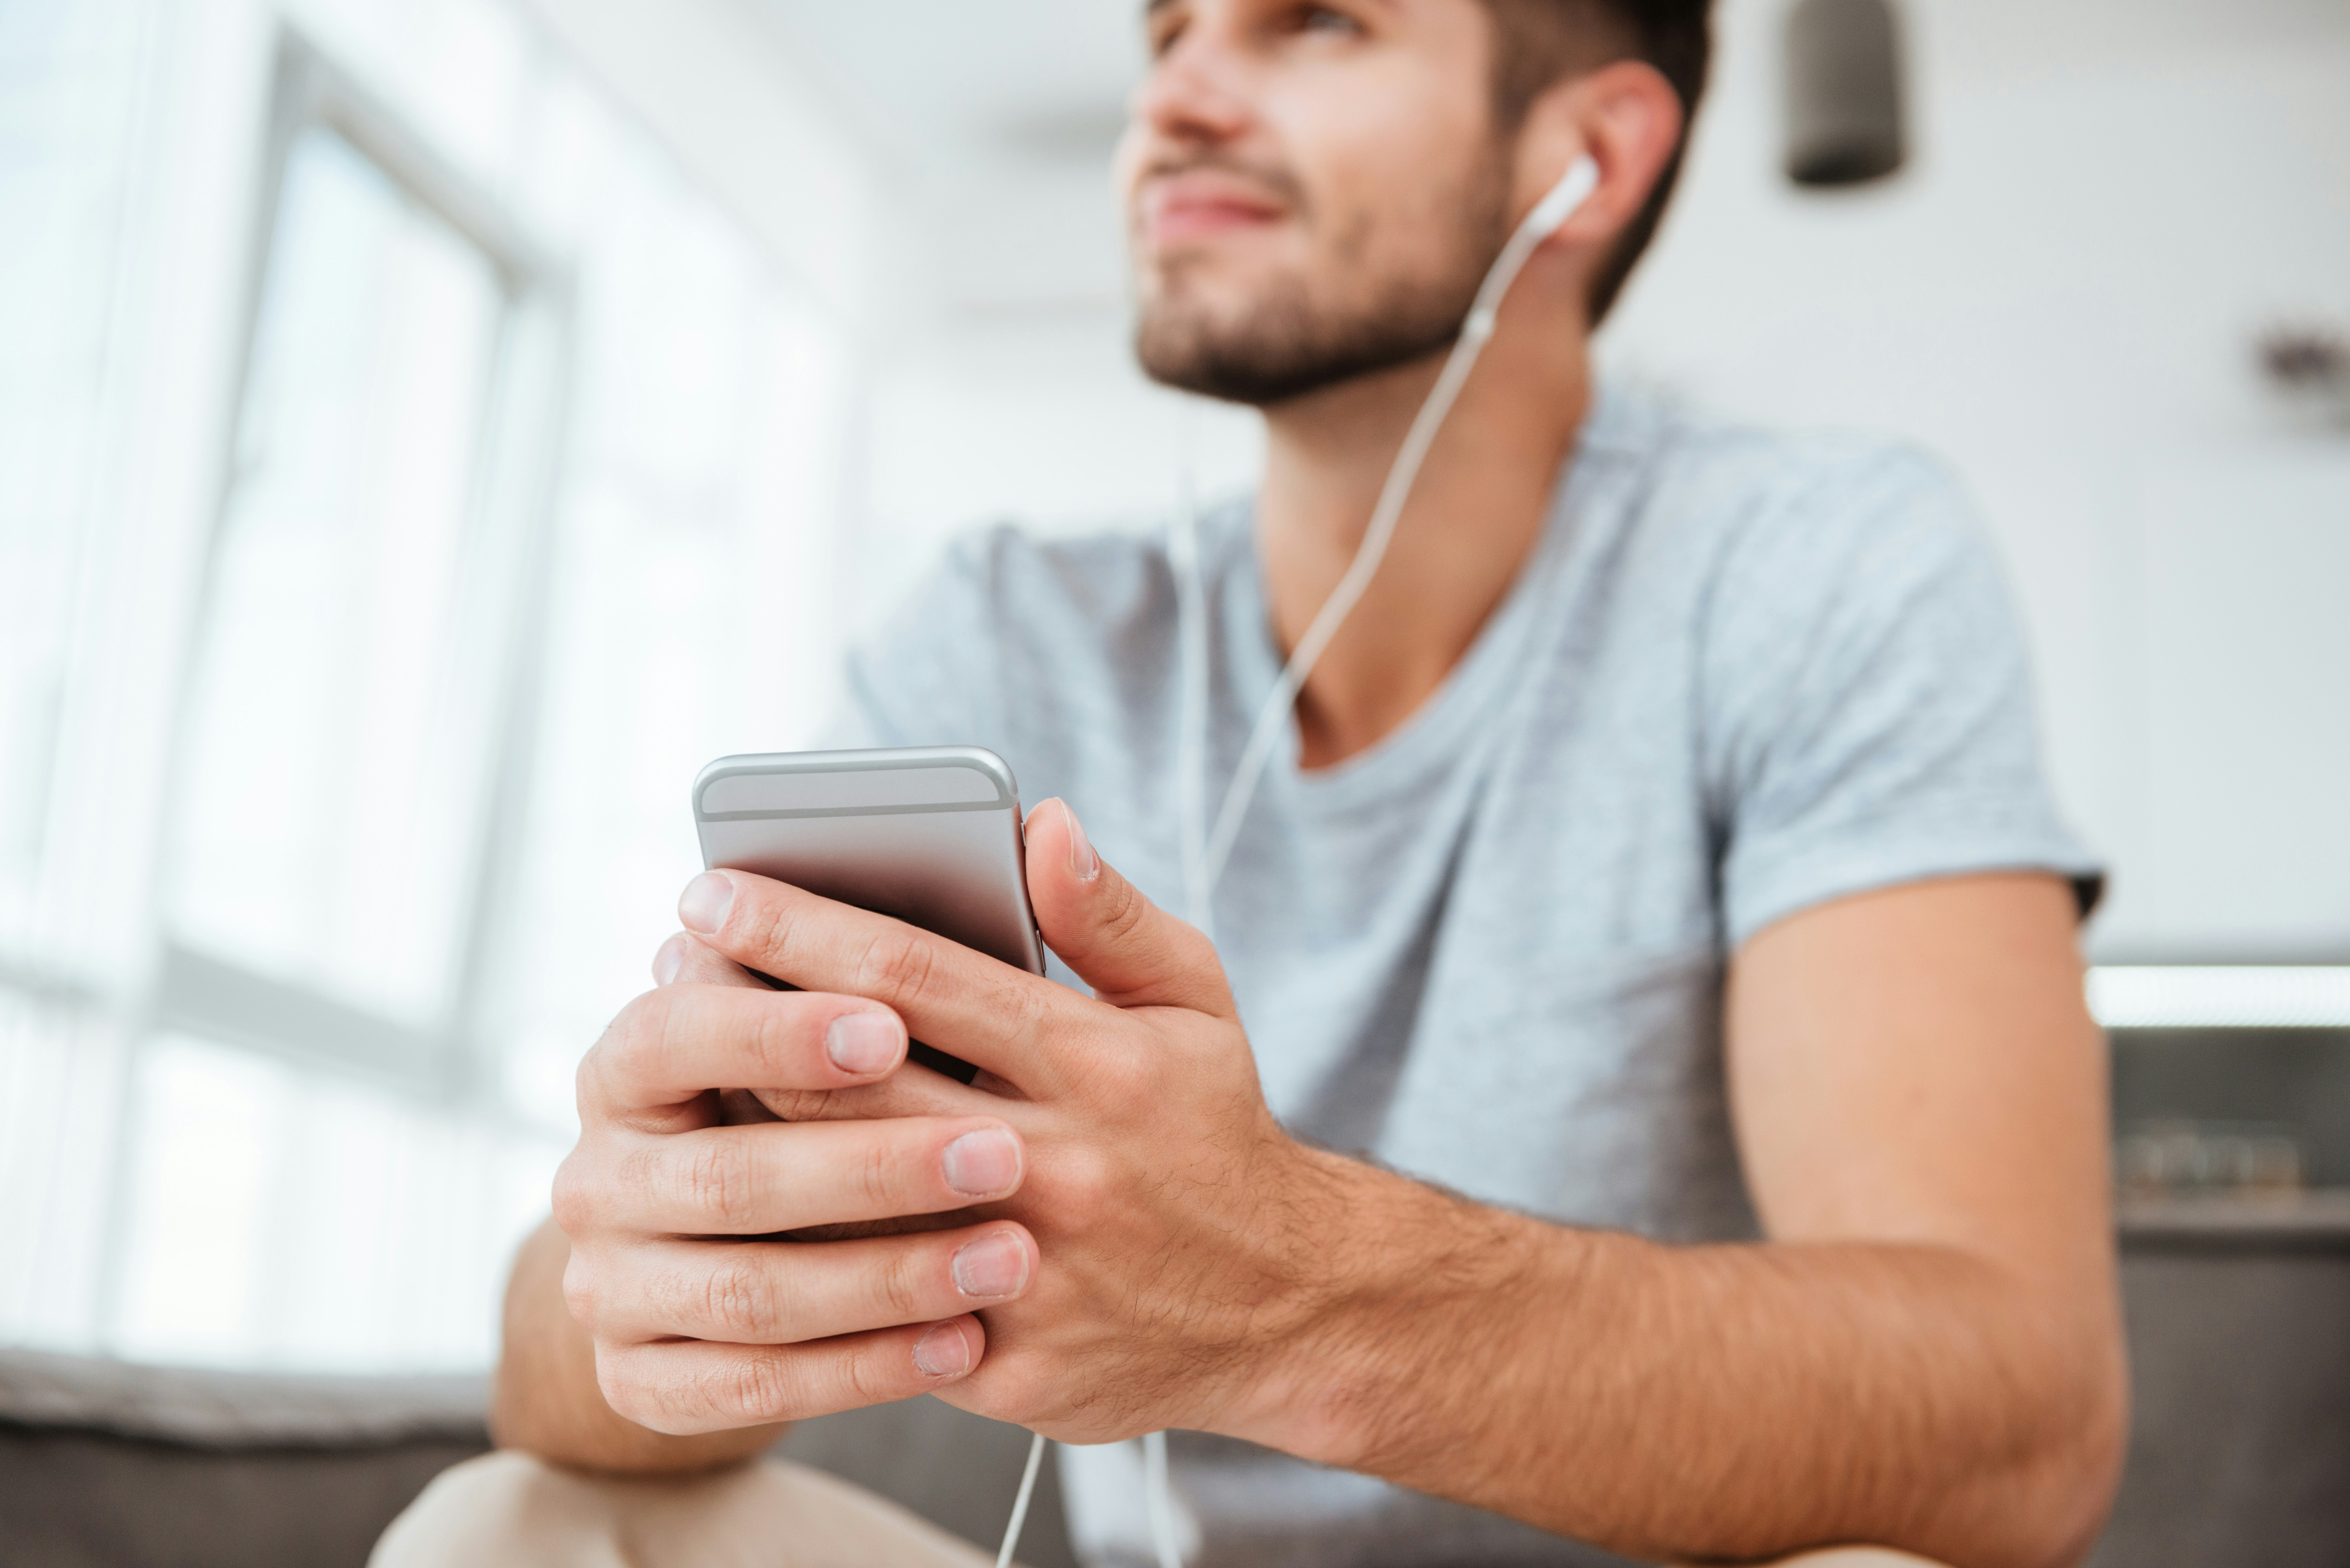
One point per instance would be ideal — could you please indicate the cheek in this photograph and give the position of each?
(1384, 166)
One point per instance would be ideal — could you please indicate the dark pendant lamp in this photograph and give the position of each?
(1844, 98)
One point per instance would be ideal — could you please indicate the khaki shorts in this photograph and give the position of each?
(511, 1510)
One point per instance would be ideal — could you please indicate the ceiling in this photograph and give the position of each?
(948, 82)
(994, 122)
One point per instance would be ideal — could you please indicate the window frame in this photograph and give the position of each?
(513, 497)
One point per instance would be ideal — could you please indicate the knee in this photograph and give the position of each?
(504, 1508)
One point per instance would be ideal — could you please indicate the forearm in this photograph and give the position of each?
(1726, 1402)
(545, 1398)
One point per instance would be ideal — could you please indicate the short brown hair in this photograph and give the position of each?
(1538, 42)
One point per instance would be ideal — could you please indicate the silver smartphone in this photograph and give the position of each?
(929, 834)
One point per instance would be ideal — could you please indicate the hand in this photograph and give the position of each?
(698, 1328)
(1181, 1231)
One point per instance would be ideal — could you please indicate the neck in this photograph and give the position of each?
(1473, 518)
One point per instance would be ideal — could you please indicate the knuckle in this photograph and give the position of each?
(666, 1032)
(581, 1294)
(762, 928)
(645, 1019)
(1129, 912)
(865, 1380)
(1193, 951)
(585, 1077)
(644, 1182)
(1081, 1187)
(637, 1038)
(1118, 1077)
(876, 1177)
(757, 1388)
(798, 1105)
(1027, 1006)
(896, 965)
(620, 1380)
(1016, 1395)
(897, 1284)
(738, 1300)
(718, 1184)
(777, 1032)
(572, 1196)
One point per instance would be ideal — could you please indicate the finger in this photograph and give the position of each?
(784, 1293)
(685, 960)
(912, 1090)
(683, 1386)
(675, 1043)
(755, 1180)
(1131, 952)
(952, 997)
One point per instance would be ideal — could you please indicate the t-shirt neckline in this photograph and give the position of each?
(1437, 734)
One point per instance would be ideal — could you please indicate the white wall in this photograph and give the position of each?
(747, 121)
(2108, 199)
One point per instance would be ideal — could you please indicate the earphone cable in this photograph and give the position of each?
(1020, 1502)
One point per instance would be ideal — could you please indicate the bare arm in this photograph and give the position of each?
(545, 1398)
(1925, 1355)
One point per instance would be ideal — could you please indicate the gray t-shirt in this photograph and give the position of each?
(1740, 675)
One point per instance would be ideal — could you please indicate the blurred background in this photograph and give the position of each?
(430, 430)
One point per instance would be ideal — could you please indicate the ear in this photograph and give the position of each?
(1627, 118)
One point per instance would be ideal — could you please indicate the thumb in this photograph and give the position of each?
(1131, 952)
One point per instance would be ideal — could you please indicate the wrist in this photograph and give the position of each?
(1375, 1301)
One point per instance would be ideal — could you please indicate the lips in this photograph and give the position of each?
(1176, 208)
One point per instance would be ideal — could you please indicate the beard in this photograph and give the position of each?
(1299, 334)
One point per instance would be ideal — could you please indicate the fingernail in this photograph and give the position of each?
(1084, 864)
(991, 1266)
(984, 1164)
(669, 960)
(705, 902)
(943, 1352)
(863, 1042)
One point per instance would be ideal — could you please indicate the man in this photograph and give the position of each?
(1661, 866)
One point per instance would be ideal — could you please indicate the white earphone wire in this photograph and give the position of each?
(1020, 1502)
(1159, 1500)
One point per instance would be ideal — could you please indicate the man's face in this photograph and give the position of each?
(1314, 191)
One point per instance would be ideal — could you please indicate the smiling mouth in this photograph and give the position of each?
(1177, 208)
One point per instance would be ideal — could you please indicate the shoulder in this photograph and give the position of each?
(1016, 582)
(1748, 496)
(1773, 537)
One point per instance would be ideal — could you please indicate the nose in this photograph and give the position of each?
(1192, 93)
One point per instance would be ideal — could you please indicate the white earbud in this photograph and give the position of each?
(1566, 197)
(1562, 201)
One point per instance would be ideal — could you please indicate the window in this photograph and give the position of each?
(526, 515)
(356, 659)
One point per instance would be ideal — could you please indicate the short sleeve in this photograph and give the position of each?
(1868, 711)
